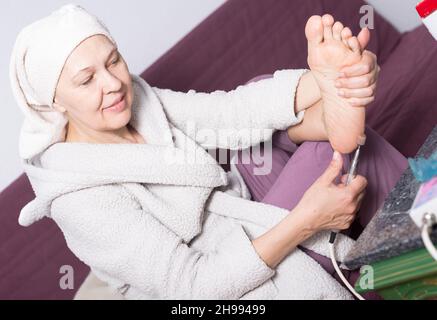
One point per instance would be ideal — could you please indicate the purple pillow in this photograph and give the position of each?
(405, 109)
(246, 38)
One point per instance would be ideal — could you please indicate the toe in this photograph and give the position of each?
(336, 30)
(328, 21)
(346, 33)
(314, 30)
(354, 44)
(364, 38)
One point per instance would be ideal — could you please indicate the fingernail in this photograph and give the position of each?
(336, 156)
(341, 75)
(340, 93)
(337, 84)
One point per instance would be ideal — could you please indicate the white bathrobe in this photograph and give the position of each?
(159, 220)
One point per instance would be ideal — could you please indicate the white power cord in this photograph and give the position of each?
(340, 274)
(429, 219)
(351, 175)
(422, 214)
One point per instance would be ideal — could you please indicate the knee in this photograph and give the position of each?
(322, 151)
(319, 153)
(372, 137)
(324, 147)
(316, 147)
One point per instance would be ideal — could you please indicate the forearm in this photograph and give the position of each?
(312, 128)
(233, 119)
(307, 92)
(274, 245)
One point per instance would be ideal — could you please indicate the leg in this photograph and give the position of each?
(282, 149)
(259, 185)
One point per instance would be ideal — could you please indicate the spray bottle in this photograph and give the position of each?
(427, 10)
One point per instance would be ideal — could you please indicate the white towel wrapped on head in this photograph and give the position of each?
(38, 57)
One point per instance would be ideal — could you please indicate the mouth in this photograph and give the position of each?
(118, 106)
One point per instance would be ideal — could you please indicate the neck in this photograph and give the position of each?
(121, 135)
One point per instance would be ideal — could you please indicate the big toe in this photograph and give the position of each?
(314, 30)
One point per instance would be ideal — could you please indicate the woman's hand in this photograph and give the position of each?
(327, 206)
(358, 82)
(324, 205)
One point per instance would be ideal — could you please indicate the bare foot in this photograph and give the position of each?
(331, 46)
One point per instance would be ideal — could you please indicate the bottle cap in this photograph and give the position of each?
(426, 7)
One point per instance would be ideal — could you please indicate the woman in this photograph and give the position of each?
(121, 166)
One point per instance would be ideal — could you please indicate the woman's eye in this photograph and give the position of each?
(87, 81)
(115, 60)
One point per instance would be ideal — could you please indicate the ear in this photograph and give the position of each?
(58, 107)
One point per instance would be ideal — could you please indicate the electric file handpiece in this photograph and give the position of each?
(351, 175)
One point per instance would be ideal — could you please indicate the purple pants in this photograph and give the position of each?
(295, 168)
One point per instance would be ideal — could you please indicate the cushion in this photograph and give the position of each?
(405, 109)
(246, 38)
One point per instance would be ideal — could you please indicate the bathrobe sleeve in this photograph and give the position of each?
(239, 118)
(133, 247)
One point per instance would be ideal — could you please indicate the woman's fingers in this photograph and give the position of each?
(344, 178)
(367, 63)
(360, 102)
(358, 85)
(361, 196)
(357, 82)
(362, 184)
(360, 199)
(357, 185)
(358, 97)
(357, 93)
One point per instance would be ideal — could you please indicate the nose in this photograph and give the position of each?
(110, 82)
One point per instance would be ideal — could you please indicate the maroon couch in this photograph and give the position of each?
(241, 39)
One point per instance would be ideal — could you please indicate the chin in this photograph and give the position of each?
(119, 120)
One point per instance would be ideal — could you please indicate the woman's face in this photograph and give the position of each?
(94, 77)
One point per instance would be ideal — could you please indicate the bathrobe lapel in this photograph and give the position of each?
(179, 205)
(148, 116)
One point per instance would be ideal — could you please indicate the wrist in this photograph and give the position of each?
(298, 223)
(307, 92)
